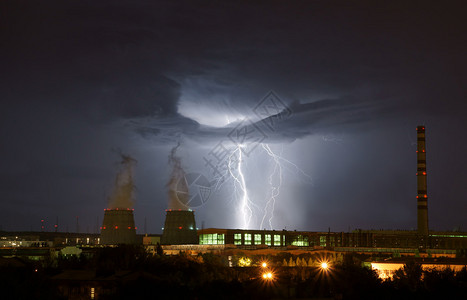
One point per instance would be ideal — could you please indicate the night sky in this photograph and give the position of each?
(82, 82)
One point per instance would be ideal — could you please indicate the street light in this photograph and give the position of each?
(267, 276)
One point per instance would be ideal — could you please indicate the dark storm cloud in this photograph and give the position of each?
(84, 59)
(120, 60)
(374, 54)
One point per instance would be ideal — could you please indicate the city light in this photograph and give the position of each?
(244, 262)
(264, 265)
(324, 265)
(268, 276)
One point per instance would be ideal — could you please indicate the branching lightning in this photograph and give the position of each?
(247, 203)
(275, 181)
(239, 177)
(275, 189)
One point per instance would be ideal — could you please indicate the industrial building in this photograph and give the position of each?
(179, 228)
(421, 240)
(357, 240)
(118, 227)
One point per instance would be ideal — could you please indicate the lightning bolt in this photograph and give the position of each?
(239, 179)
(235, 170)
(275, 181)
(275, 189)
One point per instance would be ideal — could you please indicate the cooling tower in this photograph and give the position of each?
(118, 227)
(422, 196)
(179, 228)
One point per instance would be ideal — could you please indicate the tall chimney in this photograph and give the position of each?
(422, 196)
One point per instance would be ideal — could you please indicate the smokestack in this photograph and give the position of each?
(422, 196)
(179, 228)
(180, 225)
(118, 226)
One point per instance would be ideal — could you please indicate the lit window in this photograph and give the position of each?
(220, 239)
(247, 238)
(300, 241)
(204, 239)
(92, 293)
(257, 239)
(322, 241)
(277, 240)
(267, 239)
(237, 239)
(211, 239)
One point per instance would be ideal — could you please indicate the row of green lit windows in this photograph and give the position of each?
(211, 239)
(255, 239)
(301, 240)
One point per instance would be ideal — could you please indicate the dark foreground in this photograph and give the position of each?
(129, 273)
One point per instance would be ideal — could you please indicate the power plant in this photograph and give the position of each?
(179, 228)
(118, 227)
(180, 225)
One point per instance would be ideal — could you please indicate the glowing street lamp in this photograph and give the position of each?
(264, 265)
(324, 265)
(267, 276)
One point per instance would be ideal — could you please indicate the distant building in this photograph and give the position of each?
(355, 241)
(386, 269)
